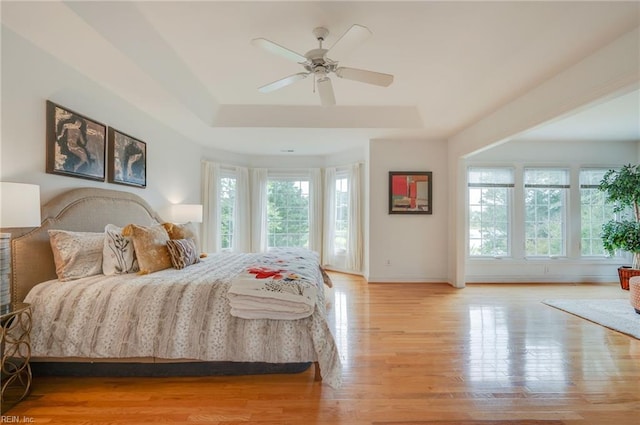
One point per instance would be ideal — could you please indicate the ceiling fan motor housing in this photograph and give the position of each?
(317, 62)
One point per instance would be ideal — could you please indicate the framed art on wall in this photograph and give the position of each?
(410, 192)
(75, 144)
(127, 159)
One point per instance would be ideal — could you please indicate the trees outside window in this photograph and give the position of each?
(490, 197)
(227, 200)
(543, 214)
(288, 213)
(341, 214)
(594, 212)
(545, 200)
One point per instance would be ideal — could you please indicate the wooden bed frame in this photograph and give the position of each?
(32, 262)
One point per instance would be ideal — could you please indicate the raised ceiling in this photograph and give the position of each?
(190, 65)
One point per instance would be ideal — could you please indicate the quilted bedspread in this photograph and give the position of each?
(180, 314)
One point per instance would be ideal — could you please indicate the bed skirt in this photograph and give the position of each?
(161, 369)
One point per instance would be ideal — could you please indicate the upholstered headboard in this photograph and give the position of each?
(79, 210)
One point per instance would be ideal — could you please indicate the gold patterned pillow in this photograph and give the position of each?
(183, 252)
(150, 244)
(76, 254)
(184, 231)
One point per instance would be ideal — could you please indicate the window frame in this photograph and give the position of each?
(288, 177)
(565, 214)
(227, 174)
(509, 186)
(341, 174)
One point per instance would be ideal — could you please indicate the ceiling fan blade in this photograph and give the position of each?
(364, 76)
(277, 49)
(325, 90)
(353, 37)
(283, 82)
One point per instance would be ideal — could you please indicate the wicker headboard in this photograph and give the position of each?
(80, 210)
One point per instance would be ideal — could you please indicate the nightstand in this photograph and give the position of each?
(15, 352)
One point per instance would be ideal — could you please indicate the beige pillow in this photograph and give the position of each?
(150, 244)
(183, 252)
(76, 254)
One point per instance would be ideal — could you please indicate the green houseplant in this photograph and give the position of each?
(622, 188)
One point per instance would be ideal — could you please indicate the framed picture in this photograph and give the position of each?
(410, 192)
(127, 159)
(75, 144)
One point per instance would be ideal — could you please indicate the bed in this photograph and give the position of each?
(171, 317)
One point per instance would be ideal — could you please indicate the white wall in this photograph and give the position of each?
(286, 160)
(416, 245)
(587, 153)
(30, 76)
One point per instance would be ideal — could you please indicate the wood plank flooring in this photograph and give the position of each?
(412, 354)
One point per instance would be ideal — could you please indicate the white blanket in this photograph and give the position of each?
(271, 293)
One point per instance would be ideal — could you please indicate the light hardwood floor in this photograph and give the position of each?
(412, 354)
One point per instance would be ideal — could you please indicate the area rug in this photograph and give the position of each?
(616, 314)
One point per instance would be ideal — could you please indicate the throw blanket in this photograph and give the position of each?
(263, 292)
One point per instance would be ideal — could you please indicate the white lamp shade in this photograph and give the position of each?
(19, 205)
(184, 213)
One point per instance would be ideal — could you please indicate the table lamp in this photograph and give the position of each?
(19, 208)
(184, 213)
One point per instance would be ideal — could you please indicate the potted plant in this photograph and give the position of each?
(622, 188)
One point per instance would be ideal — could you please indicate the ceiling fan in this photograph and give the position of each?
(318, 63)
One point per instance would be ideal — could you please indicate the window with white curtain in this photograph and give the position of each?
(341, 213)
(342, 230)
(227, 204)
(252, 210)
(288, 212)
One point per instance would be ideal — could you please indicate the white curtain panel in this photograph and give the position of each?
(315, 210)
(259, 202)
(242, 212)
(329, 217)
(355, 244)
(210, 210)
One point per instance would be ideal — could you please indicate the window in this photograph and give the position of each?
(227, 201)
(341, 218)
(545, 200)
(490, 194)
(594, 212)
(288, 213)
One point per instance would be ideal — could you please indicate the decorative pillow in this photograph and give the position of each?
(118, 256)
(76, 254)
(184, 231)
(183, 252)
(150, 244)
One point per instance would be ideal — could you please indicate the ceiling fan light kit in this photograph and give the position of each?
(318, 62)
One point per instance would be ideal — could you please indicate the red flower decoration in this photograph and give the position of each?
(265, 272)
